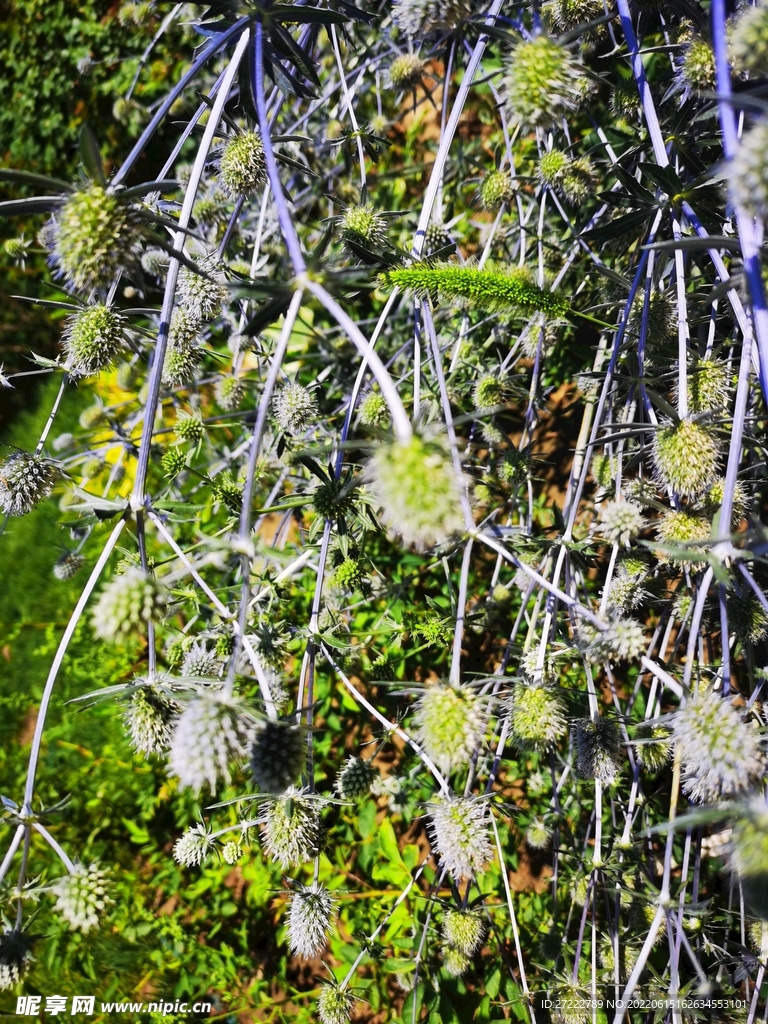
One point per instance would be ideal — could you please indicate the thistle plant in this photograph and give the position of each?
(24, 481)
(82, 896)
(309, 920)
(451, 725)
(543, 82)
(242, 165)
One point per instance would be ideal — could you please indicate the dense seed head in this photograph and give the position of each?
(655, 747)
(451, 725)
(15, 957)
(210, 734)
(195, 846)
(569, 14)
(681, 528)
(334, 1006)
(231, 852)
(406, 71)
(190, 427)
(180, 367)
(709, 386)
(127, 604)
(436, 237)
(348, 574)
(626, 593)
(202, 294)
(243, 167)
(598, 749)
(621, 521)
(542, 82)
(365, 225)
(290, 828)
(686, 456)
(418, 490)
(455, 962)
(295, 408)
(489, 391)
(661, 326)
(747, 618)
(185, 332)
(309, 919)
(24, 481)
(748, 171)
(536, 718)
(624, 640)
(459, 832)
(173, 462)
(278, 755)
(200, 662)
(496, 189)
(150, 717)
(464, 930)
(514, 467)
(92, 238)
(720, 752)
(417, 17)
(749, 39)
(93, 337)
(81, 896)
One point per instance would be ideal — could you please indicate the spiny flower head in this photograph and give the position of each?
(492, 290)
(231, 852)
(681, 528)
(406, 71)
(661, 327)
(624, 640)
(496, 189)
(451, 725)
(295, 408)
(15, 957)
(93, 238)
(418, 489)
(720, 752)
(602, 470)
(572, 179)
(417, 17)
(310, 916)
(489, 391)
(686, 456)
(68, 566)
(200, 662)
(552, 165)
(127, 604)
(437, 237)
(748, 172)
(464, 930)
(569, 14)
(374, 411)
(180, 366)
(63, 442)
(278, 755)
(155, 262)
(355, 778)
(210, 734)
(514, 467)
(333, 499)
(542, 83)
(709, 386)
(749, 40)
(24, 481)
(334, 1005)
(195, 846)
(81, 896)
(455, 961)
(151, 716)
(349, 573)
(93, 337)
(202, 294)
(598, 748)
(536, 718)
(626, 592)
(697, 67)
(185, 332)
(459, 832)
(290, 827)
(174, 461)
(243, 167)
(747, 618)
(229, 392)
(622, 521)
(654, 750)
(749, 860)
(190, 427)
(538, 834)
(17, 249)
(364, 224)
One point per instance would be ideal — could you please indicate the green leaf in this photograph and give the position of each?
(91, 155)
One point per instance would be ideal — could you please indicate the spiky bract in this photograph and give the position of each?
(93, 337)
(127, 604)
(416, 17)
(230, 392)
(748, 172)
(81, 896)
(290, 827)
(491, 290)
(622, 521)
(200, 662)
(451, 725)
(93, 238)
(573, 179)
(598, 748)
(151, 717)
(464, 930)
(195, 846)
(686, 456)
(455, 962)
(496, 189)
(295, 408)
(334, 1005)
(459, 832)
(243, 167)
(355, 778)
(15, 957)
(418, 489)
(542, 83)
(211, 733)
(202, 294)
(536, 718)
(309, 919)
(680, 528)
(24, 481)
(720, 752)
(278, 755)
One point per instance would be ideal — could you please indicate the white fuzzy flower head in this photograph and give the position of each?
(195, 846)
(278, 755)
(355, 778)
(150, 716)
(538, 834)
(464, 930)
(15, 957)
(621, 521)
(624, 640)
(243, 167)
(295, 408)
(310, 916)
(230, 392)
(459, 833)
(24, 481)
(598, 749)
(200, 663)
(210, 734)
(93, 337)
(416, 17)
(418, 490)
(536, 718)
(202, 294)
(451, 724)
(334, 1005)
(290, 827)
(127, 604)
(81, 896)
(720, 752)
(231, 852)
